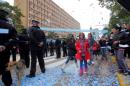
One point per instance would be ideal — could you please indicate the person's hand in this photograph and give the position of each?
(26, 42)
(10, 65)
(10, 40)
(115, 42)
(14, 47)
(88, 61)
(41, 44)
(2, 48)
(80, 51)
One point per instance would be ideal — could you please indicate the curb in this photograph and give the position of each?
(123, 80)
(120, 79)
(119, 76)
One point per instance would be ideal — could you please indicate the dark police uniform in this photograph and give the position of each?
(14, 50)
(51, 46)
(36, 37)
(24, 47)
(58, 48)
(7, 32)
(64, 47)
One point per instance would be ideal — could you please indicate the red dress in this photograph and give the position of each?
(78, 48)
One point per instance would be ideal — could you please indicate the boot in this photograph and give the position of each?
(30, 75)
(43, 70)
(81, 72)
(63, 67)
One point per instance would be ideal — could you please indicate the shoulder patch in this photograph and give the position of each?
(4, 31)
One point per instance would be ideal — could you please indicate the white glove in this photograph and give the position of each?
(41, 44)
(2, 48)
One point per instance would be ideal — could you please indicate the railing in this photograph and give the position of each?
(71, 30)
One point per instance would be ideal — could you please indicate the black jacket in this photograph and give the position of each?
(102, 43)
(36, 35)
(127, 40)
(23, 41)
(7, 32)
(122, 37)
(71, 47)
(58, 44)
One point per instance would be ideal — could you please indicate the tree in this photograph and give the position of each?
(118, 13)
(15, 14)
(107, 3)
(52, 35)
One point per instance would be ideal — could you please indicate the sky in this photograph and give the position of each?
(87, 12)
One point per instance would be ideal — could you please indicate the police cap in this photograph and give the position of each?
(3, 12)
(35, 21)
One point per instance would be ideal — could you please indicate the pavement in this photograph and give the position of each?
(102, 73)
(124, 80)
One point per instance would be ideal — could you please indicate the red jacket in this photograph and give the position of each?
(78, 48)
(95, 46)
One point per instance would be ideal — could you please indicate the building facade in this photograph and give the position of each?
(48, 13)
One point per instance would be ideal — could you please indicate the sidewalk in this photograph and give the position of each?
(124, 80)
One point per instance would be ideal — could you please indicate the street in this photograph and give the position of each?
(102, 73)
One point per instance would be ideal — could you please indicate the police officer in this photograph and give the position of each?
(58, 48)
(14, 51)
(37, 38)
(24, 47)
(51, 46)
(7, 32)
(45, 48)
(64, 47)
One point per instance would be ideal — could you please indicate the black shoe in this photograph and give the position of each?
(125, 73)
(120, 71)
(27, 66)
(43, 71)
(62, 70)
(128, 71)
(30, 75)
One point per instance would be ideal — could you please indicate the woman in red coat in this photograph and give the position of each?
(82, 54)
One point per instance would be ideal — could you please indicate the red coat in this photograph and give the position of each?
(78, 48)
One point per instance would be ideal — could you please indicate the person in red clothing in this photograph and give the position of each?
(82, 54)
(95, 48)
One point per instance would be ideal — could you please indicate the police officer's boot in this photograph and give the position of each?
(43, 70)
(32, 74)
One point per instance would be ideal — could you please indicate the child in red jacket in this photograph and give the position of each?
(82, 54)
